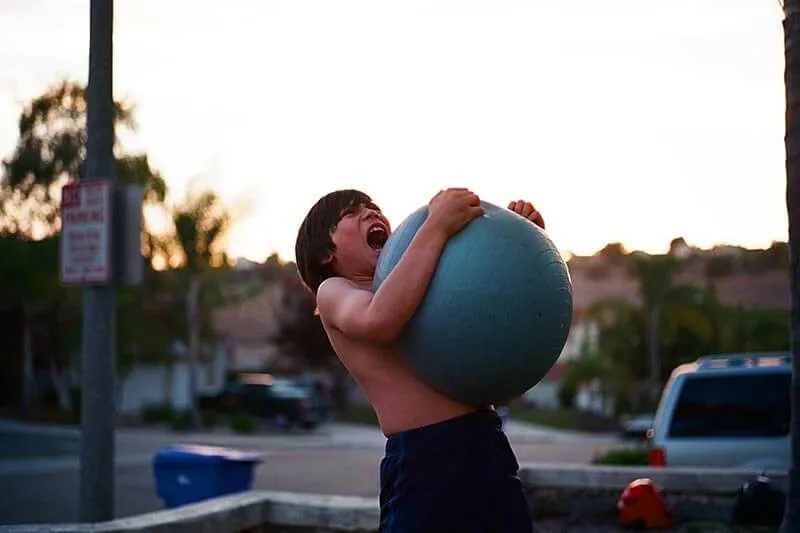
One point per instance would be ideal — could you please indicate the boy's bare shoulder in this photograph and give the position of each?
(335, 285)
(333, 291)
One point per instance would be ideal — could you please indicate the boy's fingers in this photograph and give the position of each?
(538, 219)
(527, 209)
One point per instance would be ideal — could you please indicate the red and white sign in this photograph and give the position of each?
(86, 233)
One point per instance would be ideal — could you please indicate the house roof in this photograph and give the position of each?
(248, 320)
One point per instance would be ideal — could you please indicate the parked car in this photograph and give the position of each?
(265, 397)
(728, 411)
(319, 393)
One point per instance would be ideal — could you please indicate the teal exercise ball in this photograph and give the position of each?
(497, 312)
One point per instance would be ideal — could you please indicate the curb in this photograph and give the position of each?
(17, 427)
(62, 464)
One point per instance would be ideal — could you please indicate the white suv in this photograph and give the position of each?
(725, 411)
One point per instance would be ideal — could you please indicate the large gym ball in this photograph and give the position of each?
(497, 312)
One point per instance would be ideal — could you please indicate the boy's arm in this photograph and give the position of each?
(381, 316)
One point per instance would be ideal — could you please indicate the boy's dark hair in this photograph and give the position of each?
(314, 241)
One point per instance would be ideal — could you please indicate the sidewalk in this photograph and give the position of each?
(47, 448)
(525, 431)
(335, 433)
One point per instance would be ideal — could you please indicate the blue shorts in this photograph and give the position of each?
(458, 476)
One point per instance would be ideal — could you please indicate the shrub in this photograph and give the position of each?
(181, 421)
(157, 412)
(242, 423)
(622, 457)
(210, 418)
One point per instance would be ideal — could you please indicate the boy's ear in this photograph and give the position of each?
(328, 259)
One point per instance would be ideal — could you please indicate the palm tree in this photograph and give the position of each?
(791, 29)
(655, 275)
(672, 324)
(201, 223)
(616, 359)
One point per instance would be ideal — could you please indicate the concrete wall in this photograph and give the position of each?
(250, 356)
(583, 335)
(151, 384)
(544, 395)
(562, 497)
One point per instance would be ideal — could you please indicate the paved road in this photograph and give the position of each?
(45, 485)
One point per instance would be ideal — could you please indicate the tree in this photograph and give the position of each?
(48, 319)
(300, 333)
(32, 289)
(195, 250)
(51, 151)
(614, 252)
(655, 276)
(791, 28)
(677, 244)
(672, 324)
(616, 359)
(689, 327)
(719, 266)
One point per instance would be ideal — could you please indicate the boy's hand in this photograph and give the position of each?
(527, 210)
(451, 209)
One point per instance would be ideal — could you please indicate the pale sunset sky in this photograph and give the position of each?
(621, 120)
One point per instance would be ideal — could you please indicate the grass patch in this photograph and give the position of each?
(622, 457)
(359, 415)
(565, 419)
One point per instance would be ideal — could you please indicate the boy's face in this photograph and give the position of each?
(359, 237)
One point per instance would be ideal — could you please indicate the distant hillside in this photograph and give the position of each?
(742, 277)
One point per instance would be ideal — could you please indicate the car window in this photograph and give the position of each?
(283, 383)
(286, 390)
(755, 405)
(233, 388)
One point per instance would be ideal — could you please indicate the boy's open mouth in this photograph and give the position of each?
(377, 235)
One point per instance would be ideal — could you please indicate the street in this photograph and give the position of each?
(40, 465)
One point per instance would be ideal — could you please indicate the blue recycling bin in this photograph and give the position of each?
(187, 474)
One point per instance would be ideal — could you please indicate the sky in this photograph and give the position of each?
(623, 120)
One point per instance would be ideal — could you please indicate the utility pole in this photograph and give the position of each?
(99, 305)
(791, 43)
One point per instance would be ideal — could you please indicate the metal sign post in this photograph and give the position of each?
(101, 226)
(92, 265)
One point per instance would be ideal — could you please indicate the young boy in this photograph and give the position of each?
(448, 466)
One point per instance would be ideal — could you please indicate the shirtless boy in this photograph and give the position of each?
(448, 466)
